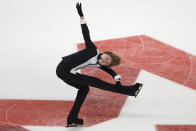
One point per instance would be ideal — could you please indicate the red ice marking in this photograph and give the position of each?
(175, 127)
(11, 127)
(34, 112)
(138, 52)
(146, 53)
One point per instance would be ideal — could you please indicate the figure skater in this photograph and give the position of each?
(90, 56)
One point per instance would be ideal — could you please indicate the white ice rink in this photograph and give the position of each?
(35, 34)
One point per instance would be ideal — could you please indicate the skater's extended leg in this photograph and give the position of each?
(63, 72)
(96, 82)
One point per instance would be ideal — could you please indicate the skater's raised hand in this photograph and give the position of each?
(79, 9)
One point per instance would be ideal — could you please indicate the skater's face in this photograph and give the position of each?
(105, 60)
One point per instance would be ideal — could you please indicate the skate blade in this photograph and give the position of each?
(74, 125)
(138, 90)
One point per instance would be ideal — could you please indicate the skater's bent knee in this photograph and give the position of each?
(62, 71)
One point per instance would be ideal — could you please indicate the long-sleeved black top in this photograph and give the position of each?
(93, 60)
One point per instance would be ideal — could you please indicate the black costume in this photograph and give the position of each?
(66, 70)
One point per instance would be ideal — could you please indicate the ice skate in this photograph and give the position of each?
(74, 122)
(135, 89)
(138, 90)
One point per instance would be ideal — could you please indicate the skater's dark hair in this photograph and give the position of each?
(115, 59)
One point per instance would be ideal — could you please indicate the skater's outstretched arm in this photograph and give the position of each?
(85, 31)
(111, 72)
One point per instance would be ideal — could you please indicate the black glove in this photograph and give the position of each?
(79, 9)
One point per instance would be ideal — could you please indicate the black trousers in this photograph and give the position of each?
(82, 82)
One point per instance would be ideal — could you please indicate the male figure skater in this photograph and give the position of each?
(90, 56)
